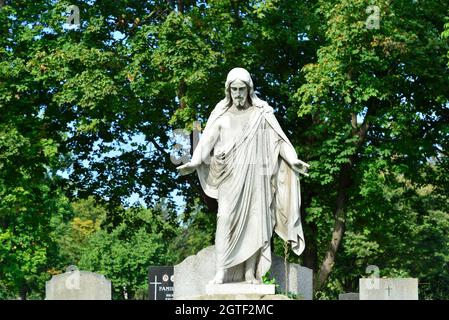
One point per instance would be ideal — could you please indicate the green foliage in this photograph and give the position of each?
(124, 254)
(376, 100)
(367, 108)
(405, 237)
(73, 234)
(269, 279)
(196, 231)
(30, 200)
(445, 34)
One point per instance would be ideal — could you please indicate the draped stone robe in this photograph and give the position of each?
(257, 192)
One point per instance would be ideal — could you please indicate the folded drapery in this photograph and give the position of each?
(257, 191)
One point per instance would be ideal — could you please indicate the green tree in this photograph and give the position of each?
(30, 201)
(30, 194)
(376, 100)
(100, 101)
(405, 235)
(73, 232)
(196, 232)
(124, 254)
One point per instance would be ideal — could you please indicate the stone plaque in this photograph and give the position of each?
(160, 283)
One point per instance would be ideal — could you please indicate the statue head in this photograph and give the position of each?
(239, 88)
(239, 93)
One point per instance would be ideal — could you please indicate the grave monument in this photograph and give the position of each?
(246, 162)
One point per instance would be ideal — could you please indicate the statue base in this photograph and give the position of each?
(238, 297)
(240, 288)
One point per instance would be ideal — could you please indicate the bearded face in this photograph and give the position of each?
(239, 93)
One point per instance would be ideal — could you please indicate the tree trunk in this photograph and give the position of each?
(343, 185)
(338, 229)
(23, 293)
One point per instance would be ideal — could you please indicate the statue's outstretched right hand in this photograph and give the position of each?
(300, 167)
(187, 168)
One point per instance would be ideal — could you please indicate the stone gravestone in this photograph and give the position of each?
(160, 283)
(193, 274)
(300, 279)
(388, 289)
(348, 296)
(78, 285)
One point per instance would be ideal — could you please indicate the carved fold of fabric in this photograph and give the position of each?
(257, 192)
(287, 197)
(245, 224)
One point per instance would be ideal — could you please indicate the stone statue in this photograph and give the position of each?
(246, 162)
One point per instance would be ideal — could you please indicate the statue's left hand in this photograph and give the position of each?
(300, 167)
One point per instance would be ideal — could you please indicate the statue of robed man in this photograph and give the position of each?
(246, 162)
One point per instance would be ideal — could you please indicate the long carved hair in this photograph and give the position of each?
(242, 75)
(224, 104)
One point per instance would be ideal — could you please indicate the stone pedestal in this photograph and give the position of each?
(194, 273)
(239, 297)
(240, 288)
(349, 296)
